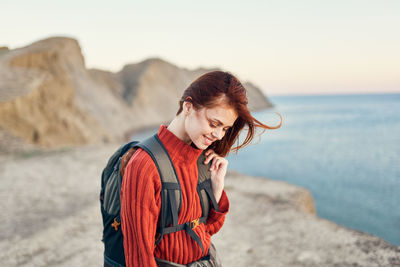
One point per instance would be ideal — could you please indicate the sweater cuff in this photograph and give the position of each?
(223, 206)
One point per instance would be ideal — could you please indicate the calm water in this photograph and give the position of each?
(345, 149)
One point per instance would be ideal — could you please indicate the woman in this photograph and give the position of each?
(212, 112)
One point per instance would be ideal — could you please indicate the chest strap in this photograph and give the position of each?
(188, 227)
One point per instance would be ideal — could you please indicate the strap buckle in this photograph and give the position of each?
(194, 223)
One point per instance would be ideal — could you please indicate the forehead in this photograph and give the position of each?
(224, 114)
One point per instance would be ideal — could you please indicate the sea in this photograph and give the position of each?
(344, 149)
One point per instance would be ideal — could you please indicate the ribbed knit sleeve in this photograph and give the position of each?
(216, 219)
(140, 207)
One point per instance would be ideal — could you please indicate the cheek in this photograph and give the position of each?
(196, 128)
(191, 128)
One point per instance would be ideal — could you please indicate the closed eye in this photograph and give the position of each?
(213, 125)
(216, 124)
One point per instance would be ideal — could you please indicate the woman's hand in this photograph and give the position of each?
(218, 169)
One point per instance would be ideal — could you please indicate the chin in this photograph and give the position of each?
(200, 145)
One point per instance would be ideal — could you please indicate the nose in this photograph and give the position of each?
(218, 133)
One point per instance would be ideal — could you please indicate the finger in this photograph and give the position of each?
(212, 166)
(210, 157)
(218, 165)
(208, 152)
(215, 164)
(222, 162)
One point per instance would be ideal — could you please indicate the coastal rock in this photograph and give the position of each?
(49, 98)
(152, 89)
(257, 99)
(3, 50)
(38, 100)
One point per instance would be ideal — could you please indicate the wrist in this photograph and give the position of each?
(218, 193)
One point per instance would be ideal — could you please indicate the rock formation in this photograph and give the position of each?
(41, 98)
(3, 50)
(49, 98)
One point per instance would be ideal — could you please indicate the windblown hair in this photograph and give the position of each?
(216, 88)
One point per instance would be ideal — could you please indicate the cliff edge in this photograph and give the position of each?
(269, 223)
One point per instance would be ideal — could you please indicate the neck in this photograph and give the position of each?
(177, 127)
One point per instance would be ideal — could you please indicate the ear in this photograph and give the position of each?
(187, 107)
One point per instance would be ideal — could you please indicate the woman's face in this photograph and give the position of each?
(206, 125)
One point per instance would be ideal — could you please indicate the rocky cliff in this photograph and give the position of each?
(3, 50)
(41, 99)
(49, 98)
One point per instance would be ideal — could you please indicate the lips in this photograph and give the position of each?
(208, 141)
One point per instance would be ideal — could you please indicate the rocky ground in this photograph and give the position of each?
(51, 217)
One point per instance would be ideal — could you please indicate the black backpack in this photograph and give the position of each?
(171, 195)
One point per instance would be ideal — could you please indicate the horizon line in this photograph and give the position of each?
(333, 94)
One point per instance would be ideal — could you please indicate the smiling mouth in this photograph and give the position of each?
(208, 140)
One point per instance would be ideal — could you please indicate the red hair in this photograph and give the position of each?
(216, 88)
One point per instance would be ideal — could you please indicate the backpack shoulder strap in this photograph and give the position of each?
(204, 188)
(171, 193)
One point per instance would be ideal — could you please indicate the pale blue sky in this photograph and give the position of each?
(298, 47)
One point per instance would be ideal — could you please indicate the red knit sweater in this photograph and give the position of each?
(141, 203)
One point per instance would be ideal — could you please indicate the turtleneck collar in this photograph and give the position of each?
(177, 148)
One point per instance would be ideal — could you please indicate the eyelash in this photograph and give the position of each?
(214, 126)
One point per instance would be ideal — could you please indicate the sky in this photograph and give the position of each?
(283, 47)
